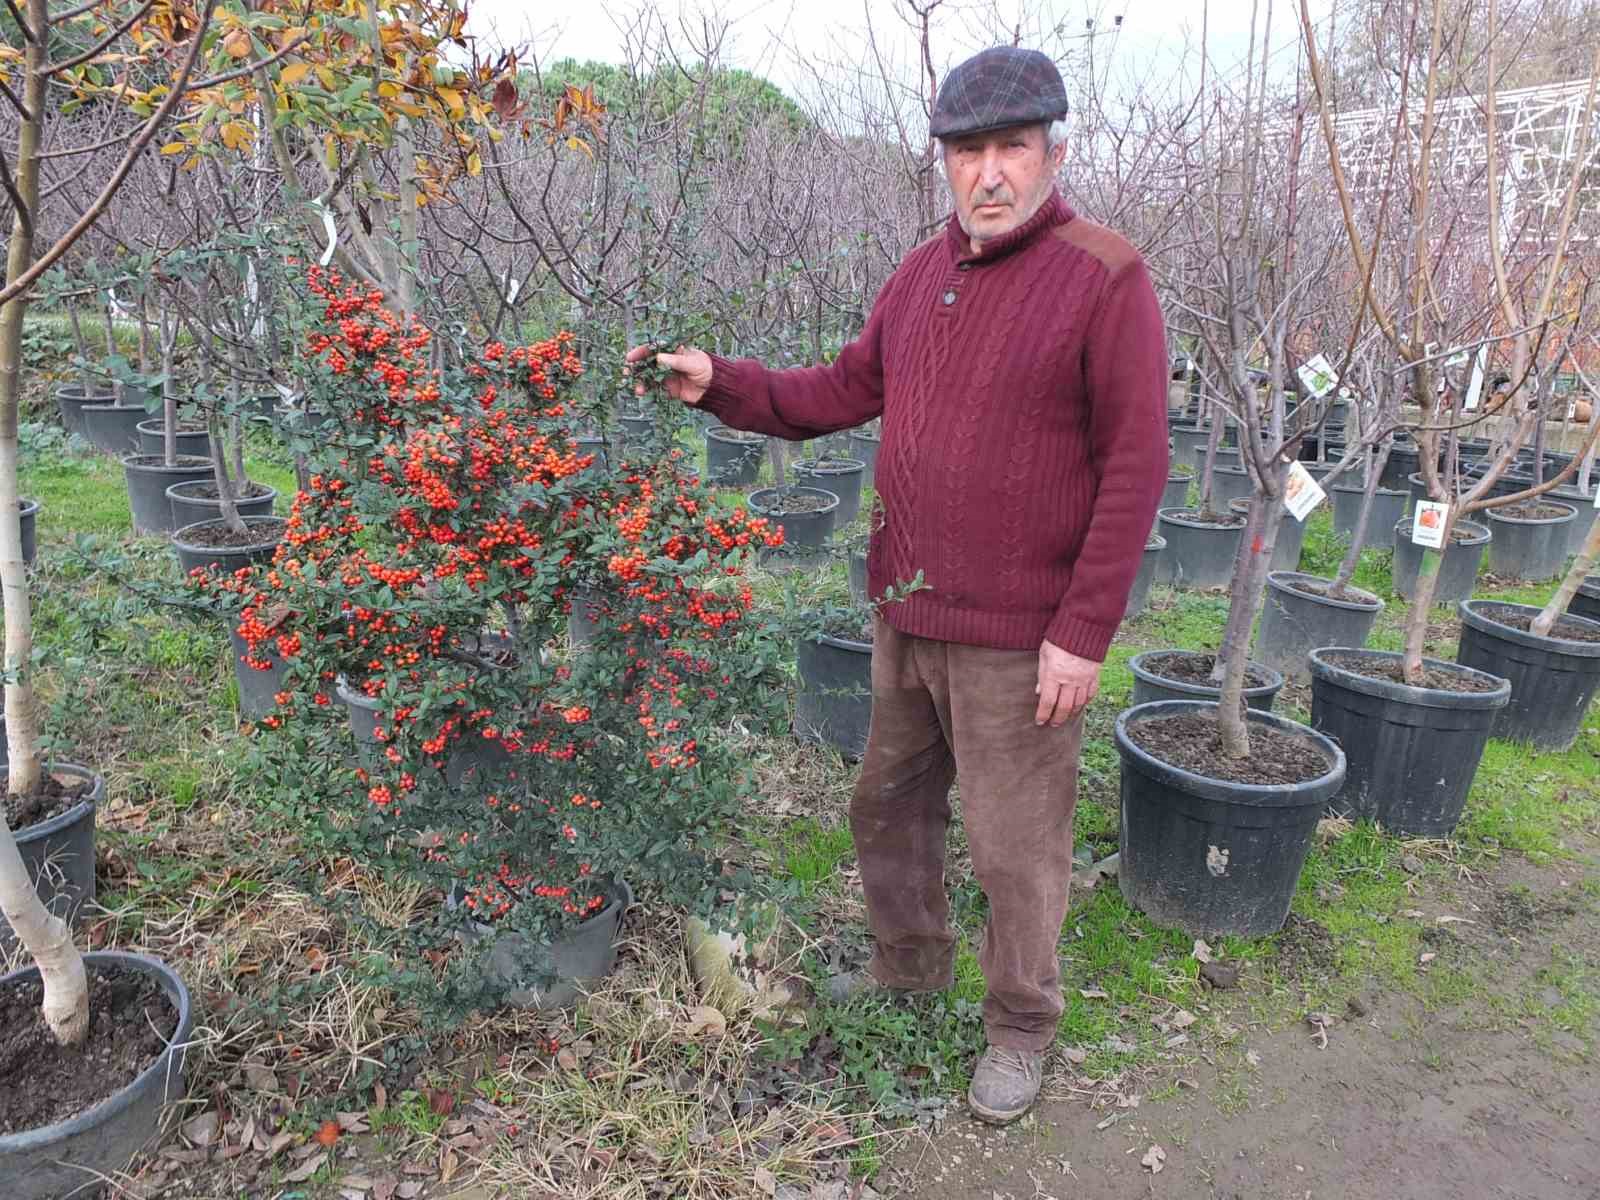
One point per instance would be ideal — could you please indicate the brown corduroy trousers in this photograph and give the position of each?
(942, 711)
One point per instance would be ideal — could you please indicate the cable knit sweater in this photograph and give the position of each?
(1023, 395)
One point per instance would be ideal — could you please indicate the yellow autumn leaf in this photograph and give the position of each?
(330, 149)
(452, 98)
(327, 77)
(388, 89)
(474, 164)
(235, 134)
(237, 44)
(294, 73)
(174, 147)
(406, 108)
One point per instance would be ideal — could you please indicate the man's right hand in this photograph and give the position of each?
(691, 371)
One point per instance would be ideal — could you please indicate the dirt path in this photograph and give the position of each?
(1495, 1097)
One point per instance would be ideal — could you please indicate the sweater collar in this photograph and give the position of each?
(1054, 211)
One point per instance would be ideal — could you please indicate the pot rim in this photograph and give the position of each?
(1571, 514)
(756, 500)
(172, 488)
(866, 435)
(1155, 542)
(838, 643)
(179, 540)
(44, 829)
(27, 507)
(1140, 671)
(1381, 491)
(835, 466)
(1283, 581)
(159, 425)
(716, 433)
(1308, 793)
(348, 694)
(1473, 614)
(1404, 693)
(196, 463)
(1169, 515)
(116, 408)
(107, 1109)
(73, 393)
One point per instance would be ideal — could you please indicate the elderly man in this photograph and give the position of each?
(1017, 359)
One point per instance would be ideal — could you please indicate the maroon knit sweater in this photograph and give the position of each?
(1023, 395)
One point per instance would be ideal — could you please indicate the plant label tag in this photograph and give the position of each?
(1597, 497)
(1475, 388)
(1301, 492)
(1318, 377)
(1427, 527)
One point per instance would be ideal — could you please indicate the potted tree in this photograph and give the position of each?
(1219, 801)
(1414, 728)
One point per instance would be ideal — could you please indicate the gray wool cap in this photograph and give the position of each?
(995, 88)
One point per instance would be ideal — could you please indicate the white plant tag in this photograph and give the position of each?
(1318, 377)
(1475, 388)
(1427, 526)
(333, 234)
(1301, 492)
(1597, 497)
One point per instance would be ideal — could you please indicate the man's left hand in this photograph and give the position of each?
(1066, 685)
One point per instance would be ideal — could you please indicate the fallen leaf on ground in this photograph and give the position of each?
(1155, 1158)
(1426, 957)
(1074, 1054)
(1094, 994)
(1183, 1019)
(202, 1130)
(766, 1182)
(305, 1170)
(1202, 952)
(352, 1122)
(328, 1134)
(706, 1020)
(1251, 1057)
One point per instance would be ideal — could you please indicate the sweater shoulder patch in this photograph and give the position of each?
(1109, 248)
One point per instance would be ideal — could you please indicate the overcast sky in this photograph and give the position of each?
(781, 38)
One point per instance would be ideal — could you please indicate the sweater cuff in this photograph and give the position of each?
(1083, 638)
(727, 390)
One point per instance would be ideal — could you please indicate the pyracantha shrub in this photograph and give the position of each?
(418, 612)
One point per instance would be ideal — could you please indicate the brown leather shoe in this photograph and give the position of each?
(853, 985)
(1005, 1085)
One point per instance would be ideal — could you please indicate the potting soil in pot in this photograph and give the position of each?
(215, 535)
(1563, 629)
(1183, 666)
(798, 502)
(130, 1022)
(1392, 671)
(208, 491)
(1193, 742)
(1530, 511)
(54, 796)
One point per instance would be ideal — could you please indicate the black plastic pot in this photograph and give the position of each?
(1412, 752)
(1553, 680)
(1578, 530)
(1230, 483)
(731, 462)
(1211, 857)
(70, 401)
(59, 853)
(1458, 573)
(864, 445)
(148, 479)
(113, 428)
(1224, 457)
(635, 432)
(596, 445)
(1139, 594)
(195, 553)
(842, 477)
(1294, 623)
(590, 607)
(1149, 686)
(834, 703)
(805, 534)
(1404, 459)
(1290, 541)
(256, 688)
(1586, 600)
(1199, 554)
(1176, 492)
(1187, 439)
(547, 976)
(58, 1160)
(188, 508)
(1387, 508)
(1530, 549)
(28, 515)
(152, 439)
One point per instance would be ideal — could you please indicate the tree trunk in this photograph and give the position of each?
(1358, 535)
(85, 375)
(226, 496)
(1213, 440)
(169, 395)
(48, 942)
(1248, 587)
(1422, 603)
(1581, 566)
(46, 938)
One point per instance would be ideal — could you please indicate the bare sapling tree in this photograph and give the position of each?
(1427, 323)
(1583, 563)
(1254, 278)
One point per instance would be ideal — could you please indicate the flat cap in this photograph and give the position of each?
(1003, 86)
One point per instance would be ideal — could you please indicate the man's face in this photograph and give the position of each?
(999, 178)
